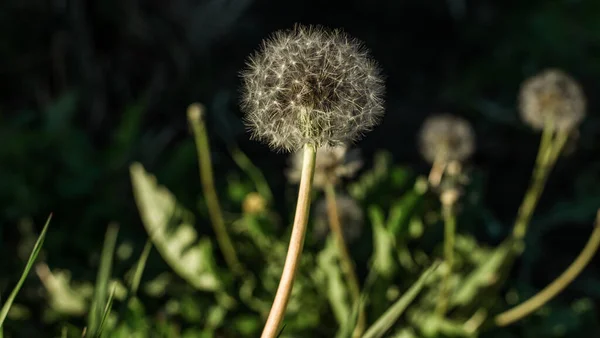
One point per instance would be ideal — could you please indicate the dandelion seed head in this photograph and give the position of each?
(552, 96)
(311, 85)
(446, 138)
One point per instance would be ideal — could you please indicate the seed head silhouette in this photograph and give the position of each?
(311, 85)
(552, 96)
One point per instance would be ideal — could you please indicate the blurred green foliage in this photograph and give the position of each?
(86, 90)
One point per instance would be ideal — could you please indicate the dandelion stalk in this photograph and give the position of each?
(551, 145)
(449, 239)
(196, 120)
(292, 259)
(290, 103)
(345, 258)
(534, 303)
(551, 101)
(446, 141)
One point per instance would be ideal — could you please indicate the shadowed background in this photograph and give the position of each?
(87, 87)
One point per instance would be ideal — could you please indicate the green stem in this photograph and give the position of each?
(550, 148)
(534, 303)
(208, 185)
(252, 171)
(292, 258)
(344, 255)
(449, 239)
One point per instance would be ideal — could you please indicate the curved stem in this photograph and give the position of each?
(449, 237)
(286, 282)
(532, 304)
(550, 148)
(208, 186)
(345, 258)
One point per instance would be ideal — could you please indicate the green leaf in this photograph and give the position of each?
(170, 229)
(383, 244)
(389, 318)
(363, 186)
(403, 209)
(34, 253)
(63, 297)
(337, 292)
(483, 276)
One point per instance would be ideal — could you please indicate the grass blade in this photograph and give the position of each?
(34, 253)
(99, 301)
(139, 269)
(107, 308)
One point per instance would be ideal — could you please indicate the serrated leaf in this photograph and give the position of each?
(170, 229)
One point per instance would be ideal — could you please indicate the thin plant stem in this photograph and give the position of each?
(437, 171)
(534, 303)
(292, 258)
(550, 148)
(208, 186)
(345, 258)
(449, 239)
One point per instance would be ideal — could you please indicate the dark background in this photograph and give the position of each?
(87, 87)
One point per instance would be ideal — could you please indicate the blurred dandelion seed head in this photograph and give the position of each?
(331, 165)
(254, 204)
(351, 218)
(446, 138)
(552, 95)
(311, 85)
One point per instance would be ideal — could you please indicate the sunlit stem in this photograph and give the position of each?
(292, 259)
(534, 303)
(345, 257)
(195, 112)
